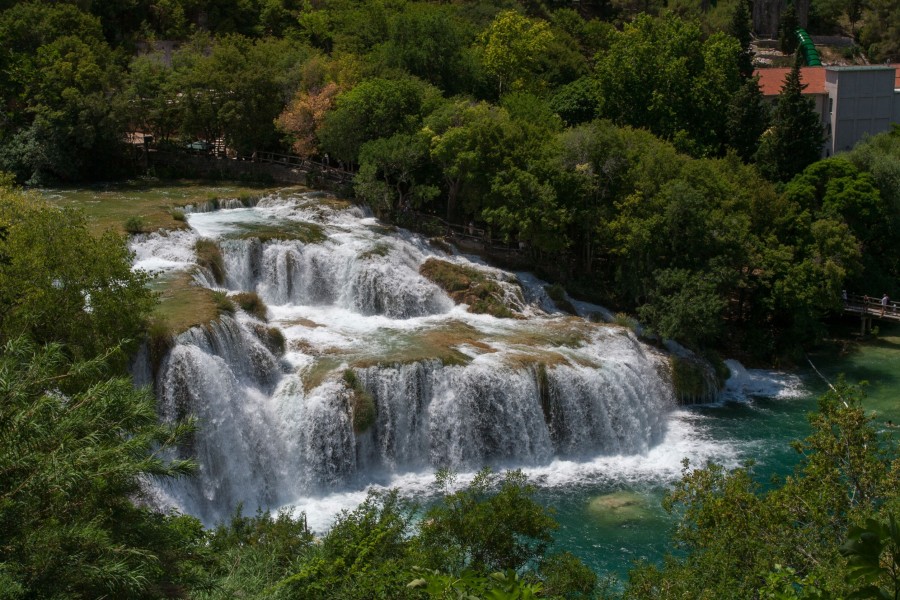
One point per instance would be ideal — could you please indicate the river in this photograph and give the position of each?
(585, 409)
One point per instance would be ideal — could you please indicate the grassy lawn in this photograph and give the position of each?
(157, 204)
(182, 304)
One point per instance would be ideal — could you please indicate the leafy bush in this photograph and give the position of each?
(737, 536)
(135, 225)
(74, 450)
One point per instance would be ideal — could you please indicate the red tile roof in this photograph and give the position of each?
(771, 79)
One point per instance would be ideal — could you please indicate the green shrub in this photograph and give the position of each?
(223, 303)
(135, 224)
(251, 303)
(624, 320)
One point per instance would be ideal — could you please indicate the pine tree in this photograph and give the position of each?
(748, 118)
(740, 28)
(796, 137)
(787, 27)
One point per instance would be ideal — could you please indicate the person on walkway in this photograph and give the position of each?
(884, 302)
(844, 298)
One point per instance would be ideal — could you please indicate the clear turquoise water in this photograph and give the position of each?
(760, 429)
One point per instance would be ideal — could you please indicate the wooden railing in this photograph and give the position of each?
(305, 164)
(434, 225)
(872, 307)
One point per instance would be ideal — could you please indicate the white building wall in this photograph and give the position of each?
(860, 102)
(896, 118)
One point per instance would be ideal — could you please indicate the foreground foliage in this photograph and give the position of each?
(59, 283)
(74, 448)
(739, 539)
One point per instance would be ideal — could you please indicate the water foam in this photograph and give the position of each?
(745, 384)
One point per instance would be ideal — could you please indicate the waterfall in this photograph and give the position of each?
(291, 272)
(384, 373)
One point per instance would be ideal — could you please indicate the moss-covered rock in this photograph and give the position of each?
(251, 303)
(308, 233)
(470, 286)
(362, 405)
(209, 257)
(271, 337)
(694, 380)
(558, 295)
(379, 249)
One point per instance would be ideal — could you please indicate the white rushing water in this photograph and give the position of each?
(386, 379)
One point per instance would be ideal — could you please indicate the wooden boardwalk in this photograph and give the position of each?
(868, 308)
(871, 307)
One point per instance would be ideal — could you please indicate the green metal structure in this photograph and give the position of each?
(810, 54)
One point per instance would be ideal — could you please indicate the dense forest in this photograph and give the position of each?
(627, 147)
(625, 144)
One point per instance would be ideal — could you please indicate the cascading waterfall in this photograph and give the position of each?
(291, 272)
(366, 332)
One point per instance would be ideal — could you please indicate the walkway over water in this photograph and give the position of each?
(869, 308)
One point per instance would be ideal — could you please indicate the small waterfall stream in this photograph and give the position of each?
(383, 373)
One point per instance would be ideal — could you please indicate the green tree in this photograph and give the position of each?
(834, 188)
(261, 77)
(468, 144)
(389, 176)
(741, 29)
(428, 41)
(590, 176)
(376, 108)
(58, 283)
(511, 46)
(151, 95)
(486, 530)
(665, 76)
(686, 306)
(880, 32)
(74, 450)
(64, 118)
(577, 102)
(365, 554)
(787, 27)
(796, 137)
(748, 118)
